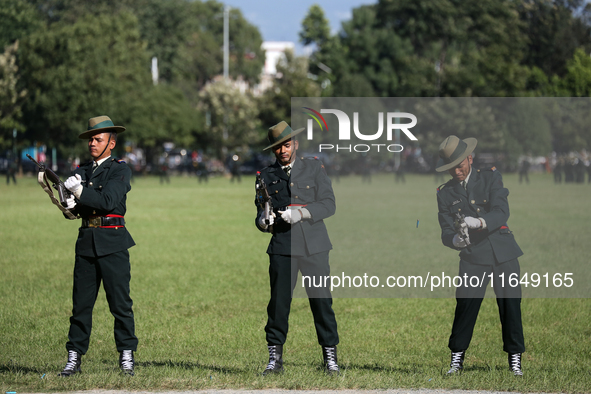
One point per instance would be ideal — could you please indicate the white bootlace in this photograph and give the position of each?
(127, 359)
(272, 357)
(515, 364)
(72, 360)
(456, 362)
(331, 363)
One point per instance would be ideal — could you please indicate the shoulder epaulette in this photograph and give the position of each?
(118, 161)
(441, 187)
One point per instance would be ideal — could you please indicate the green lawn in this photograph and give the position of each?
(200, 290)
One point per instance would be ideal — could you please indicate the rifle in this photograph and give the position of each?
(263, 199)
(461, 227)
(58, 185)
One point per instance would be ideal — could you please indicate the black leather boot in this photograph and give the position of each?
(457, 363)
(126, 362)
(275, 360)
(329, 354)
(73, 365)
(515, 364)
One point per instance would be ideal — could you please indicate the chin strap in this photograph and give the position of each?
(106, 146)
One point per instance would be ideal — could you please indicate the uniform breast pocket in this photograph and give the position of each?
(457, 206)
(480, 205)
(304, 190)
(277, 193)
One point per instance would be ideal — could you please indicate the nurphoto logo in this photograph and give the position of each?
(393, 123)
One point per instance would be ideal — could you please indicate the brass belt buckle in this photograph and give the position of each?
(94, 221)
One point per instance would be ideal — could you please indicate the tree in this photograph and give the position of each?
(577, 81)
(175, 32)
(232, 117)
(291, 81)
(570, 116)
(315, 27)
(97, 65)
(554, 30)
(11, 97)
(74, 71)
(423, 48)
(19, 19)
(187, 39)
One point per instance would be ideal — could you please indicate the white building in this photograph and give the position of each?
(274, 52)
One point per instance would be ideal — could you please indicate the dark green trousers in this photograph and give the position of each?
(469, 299)
(115, 273)
(283, 274)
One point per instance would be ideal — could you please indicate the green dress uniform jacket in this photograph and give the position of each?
(485, 198)
(102, 256)
(104, 194)
(309, 186)
(493, 250)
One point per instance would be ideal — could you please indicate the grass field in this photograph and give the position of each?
(200, 289)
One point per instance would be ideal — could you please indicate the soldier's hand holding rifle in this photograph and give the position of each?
(462, 238)
(263, 200)
(266, 220)
(74, 184)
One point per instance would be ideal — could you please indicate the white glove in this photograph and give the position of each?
(262, 223)
(474, 223)
(291, 216)
(71, 202)
(459, 242)
(74, 184)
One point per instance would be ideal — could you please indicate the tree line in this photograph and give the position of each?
(64, 61)
(459, 48)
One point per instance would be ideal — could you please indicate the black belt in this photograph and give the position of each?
(103, 221)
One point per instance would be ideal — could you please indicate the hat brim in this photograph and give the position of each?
(287, 137)
(89, 133)
(443, 166)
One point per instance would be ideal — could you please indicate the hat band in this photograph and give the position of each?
(103, 124)
(460, 149)
(287, 131)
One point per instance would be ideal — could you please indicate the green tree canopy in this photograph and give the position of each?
(291, 81)
(232, 117)
(19, 18)
(315, 27)
(98, 65)
(11, 96)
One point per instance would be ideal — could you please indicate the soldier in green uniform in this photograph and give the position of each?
(490, 248)
(302, 197)
(99, 197)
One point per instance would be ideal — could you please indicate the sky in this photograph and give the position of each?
(281, 20)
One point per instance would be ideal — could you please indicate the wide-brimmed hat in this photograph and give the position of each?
(280, 133)
(100, 124)
(453, 151)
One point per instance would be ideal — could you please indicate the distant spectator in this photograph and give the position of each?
(558, 168)
(11, 171)
(524, 168)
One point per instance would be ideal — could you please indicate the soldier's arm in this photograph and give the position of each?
(445, 222)
(324, 205)
(110, 195)
(499, 206)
